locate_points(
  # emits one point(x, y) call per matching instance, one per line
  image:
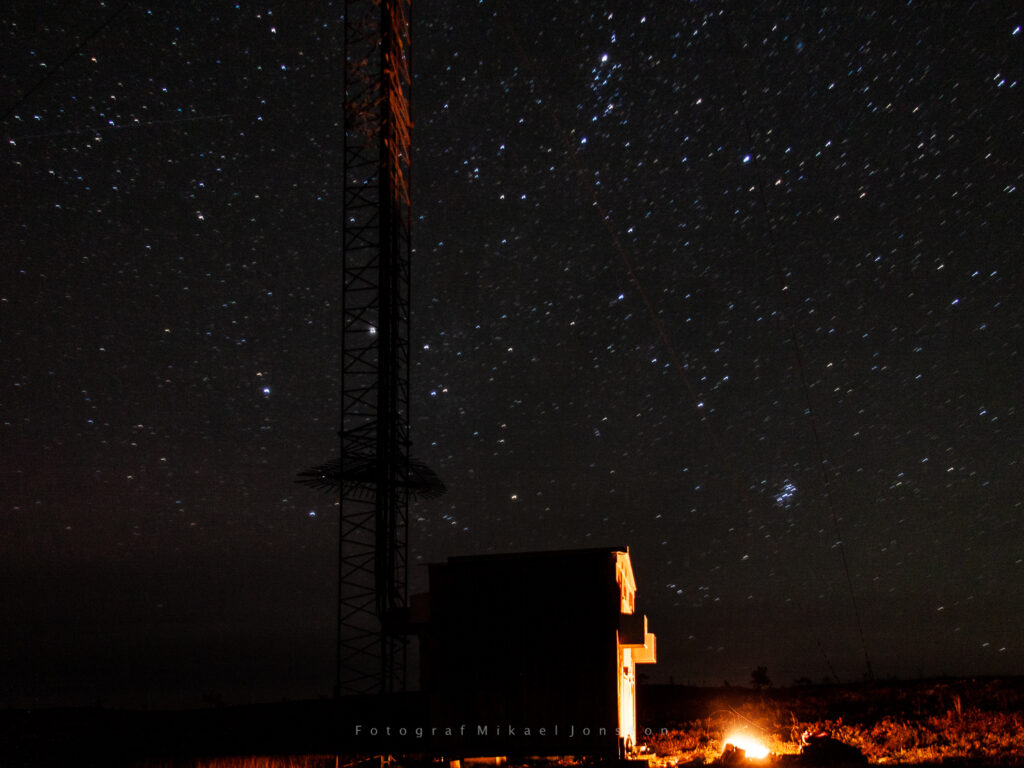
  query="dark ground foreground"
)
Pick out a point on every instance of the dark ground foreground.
point(976, 722)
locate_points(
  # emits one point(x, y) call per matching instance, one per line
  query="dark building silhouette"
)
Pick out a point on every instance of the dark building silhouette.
point(533, 653)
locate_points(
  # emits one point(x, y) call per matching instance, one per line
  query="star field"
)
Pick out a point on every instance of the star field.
point(737, 287)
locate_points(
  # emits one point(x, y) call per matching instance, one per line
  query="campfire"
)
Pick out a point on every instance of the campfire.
point(751, 748)
point(817, 748)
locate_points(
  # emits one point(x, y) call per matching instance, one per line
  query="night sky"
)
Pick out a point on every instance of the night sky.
point(737, 285)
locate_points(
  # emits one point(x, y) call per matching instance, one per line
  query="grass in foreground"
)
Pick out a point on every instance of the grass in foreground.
point(939, 723)
point(295, 761)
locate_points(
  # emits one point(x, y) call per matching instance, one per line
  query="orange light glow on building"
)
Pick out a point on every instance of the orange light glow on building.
point(635, 646)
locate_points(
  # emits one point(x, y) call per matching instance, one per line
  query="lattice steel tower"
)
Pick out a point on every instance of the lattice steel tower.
point(374, 475)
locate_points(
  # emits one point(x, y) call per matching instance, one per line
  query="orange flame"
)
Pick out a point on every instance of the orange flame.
point(755, 750)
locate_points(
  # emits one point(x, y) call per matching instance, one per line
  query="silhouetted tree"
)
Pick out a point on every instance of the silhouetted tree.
point(759, 678)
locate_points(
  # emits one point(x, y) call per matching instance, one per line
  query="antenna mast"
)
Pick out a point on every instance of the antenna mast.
point(373, 475)
point(373, 543)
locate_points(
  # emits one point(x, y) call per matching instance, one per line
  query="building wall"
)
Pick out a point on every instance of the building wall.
point(523, 650)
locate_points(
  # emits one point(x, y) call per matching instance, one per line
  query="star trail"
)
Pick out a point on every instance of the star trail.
point(735, 285)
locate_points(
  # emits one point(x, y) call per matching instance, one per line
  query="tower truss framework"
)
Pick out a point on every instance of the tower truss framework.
point(374, 467)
